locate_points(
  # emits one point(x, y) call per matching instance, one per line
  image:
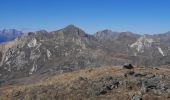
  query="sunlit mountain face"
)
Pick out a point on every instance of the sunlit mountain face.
point(33, 57)
point(9, 34)
point(71, 48)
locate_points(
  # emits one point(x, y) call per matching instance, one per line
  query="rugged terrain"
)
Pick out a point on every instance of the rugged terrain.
point(104, 83)
point(68, 49)
point(70, 64)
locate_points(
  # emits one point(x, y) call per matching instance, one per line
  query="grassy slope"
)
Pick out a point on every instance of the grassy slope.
point(82, 85)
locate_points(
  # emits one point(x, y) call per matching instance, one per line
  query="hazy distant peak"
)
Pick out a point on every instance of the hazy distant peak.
point(4, 31)
point(9, 34)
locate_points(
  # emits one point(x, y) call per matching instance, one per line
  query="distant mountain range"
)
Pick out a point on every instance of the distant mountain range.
point(71, 49)
point(9, 34)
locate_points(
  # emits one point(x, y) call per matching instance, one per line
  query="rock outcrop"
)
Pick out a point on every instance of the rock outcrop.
point(106, 83)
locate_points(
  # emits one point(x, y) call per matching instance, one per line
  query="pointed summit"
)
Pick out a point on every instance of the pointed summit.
point(72, 27)
point(74, 30)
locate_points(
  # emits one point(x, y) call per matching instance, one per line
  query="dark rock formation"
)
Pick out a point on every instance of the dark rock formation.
point(128, 66)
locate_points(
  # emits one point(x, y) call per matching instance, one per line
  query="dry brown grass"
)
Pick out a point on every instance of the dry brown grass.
point(64, 79)
point(68, 81)
point(90, 72)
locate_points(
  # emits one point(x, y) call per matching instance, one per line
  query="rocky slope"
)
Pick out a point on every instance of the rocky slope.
point(51, 52)
point(143, 49)
point(70, 48)
point(106, 83)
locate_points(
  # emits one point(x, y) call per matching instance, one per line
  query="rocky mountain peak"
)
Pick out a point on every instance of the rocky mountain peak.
point(106, 35)
point(71, 26)
point(128, 34)
point(71, 48)
point(42, 31)
point(106, 31)
point(72, 30)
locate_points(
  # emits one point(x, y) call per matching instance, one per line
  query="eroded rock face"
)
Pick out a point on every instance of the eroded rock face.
point(71, 48)
point(32, 43)
point(50, 52)
point(142, 43)
point(142, 48)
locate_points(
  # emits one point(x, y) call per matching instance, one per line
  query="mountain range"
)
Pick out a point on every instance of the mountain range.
point(9, 35)
point(71, 48)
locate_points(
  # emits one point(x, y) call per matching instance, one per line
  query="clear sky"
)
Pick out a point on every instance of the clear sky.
point(139, 16)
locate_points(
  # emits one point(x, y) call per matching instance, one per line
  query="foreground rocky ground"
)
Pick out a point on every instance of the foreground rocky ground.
point(105, 83)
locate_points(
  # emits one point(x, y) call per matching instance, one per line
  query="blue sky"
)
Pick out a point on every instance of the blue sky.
point(139, 16)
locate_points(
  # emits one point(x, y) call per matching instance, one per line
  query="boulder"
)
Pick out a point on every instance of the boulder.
point(129, 66)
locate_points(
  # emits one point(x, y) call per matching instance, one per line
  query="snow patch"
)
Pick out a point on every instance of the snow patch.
point(161, 52)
